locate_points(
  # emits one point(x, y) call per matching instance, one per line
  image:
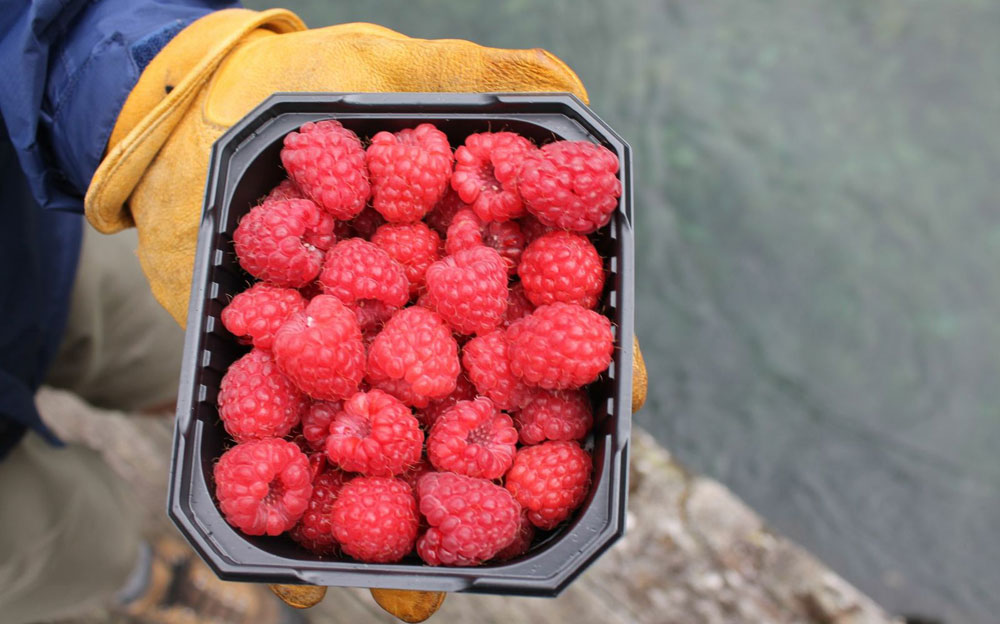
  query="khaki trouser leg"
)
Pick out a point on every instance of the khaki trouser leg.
point(69, 534)
point(69, 529)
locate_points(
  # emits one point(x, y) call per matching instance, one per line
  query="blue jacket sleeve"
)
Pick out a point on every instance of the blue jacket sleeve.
point(76, 62)
point(67, 67)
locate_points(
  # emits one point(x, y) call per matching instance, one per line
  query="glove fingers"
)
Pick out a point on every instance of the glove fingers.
point(368, 58)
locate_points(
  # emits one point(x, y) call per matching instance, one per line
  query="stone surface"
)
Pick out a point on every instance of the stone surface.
point(692, 552)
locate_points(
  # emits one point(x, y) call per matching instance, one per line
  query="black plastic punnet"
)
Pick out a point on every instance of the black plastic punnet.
point(245, 165)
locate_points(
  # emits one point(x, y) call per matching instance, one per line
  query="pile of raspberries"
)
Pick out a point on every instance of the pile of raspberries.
point(422, 333)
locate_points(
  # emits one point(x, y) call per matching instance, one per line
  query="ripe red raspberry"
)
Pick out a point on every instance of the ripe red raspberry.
point(522, 541)
point(286, 189)
point(571, 185)
point(416, 351)
point(255, 314)
point(320, 349)
point(316, 421)
point(464, 391)
point(559, 415)
point(486, 361)
point(365, 224)
point(375, 519)
point(327, 163)
point(518, 305)
point(409, 171)
point(471, 520)
point(257, 401)
point(413, 245)
point(375, 435)
point(486, 169)
point(279, 241)
point(560, 346)
point(550, 481)
point(441, 216)
point(562, 266)
point(469, 289)
point(474, 439)
point(314, 530)
point(263, 486)
point(355, 270)
point(467, 231)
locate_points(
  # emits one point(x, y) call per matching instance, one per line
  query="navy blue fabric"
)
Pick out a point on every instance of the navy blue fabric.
point(66, 67)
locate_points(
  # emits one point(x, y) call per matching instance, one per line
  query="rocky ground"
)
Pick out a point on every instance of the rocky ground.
point(692, 552)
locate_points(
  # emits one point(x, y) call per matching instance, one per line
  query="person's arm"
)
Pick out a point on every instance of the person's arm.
point(68, 66)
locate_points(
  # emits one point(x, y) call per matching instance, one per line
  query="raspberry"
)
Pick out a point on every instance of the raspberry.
point(409, 171)
point(471, 520)
point(415, 357)
point(474, 439)
point(550, 481)
point(441, 216)
point(414, 472)
point(560, 415)
point(277, 241)
point(365, 224)
point(485, 359)
point(316, 421)
point(311, 290)
point(508, 240)
point(372, 315)
point(467, 231)
point(518, 305)
point(562, 266)
point(263, 486)
point(413, 245)
point(532, 228)
point(571, 185)
point(320, 349)
point(286, 189)
point(464, 391)
point(355, 270)
point(486, 169)
point(375, 519)
point(256, 401)
point(327, 163)
point(255, 314)
point(343, 230)
point(522, 540)
point(469, 289)
point(560, 346)
point(375, 435)
point(314, 531)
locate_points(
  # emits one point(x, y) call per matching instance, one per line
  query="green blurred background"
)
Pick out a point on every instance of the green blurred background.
point(818, 235)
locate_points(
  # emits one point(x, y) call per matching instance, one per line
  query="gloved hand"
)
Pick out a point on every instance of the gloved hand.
point(214, 72)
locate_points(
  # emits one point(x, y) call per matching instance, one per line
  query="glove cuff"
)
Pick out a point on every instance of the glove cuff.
point(157, 103)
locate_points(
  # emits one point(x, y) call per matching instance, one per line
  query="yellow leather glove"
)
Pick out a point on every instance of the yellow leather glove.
point(220, 67)
point(213, 73)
